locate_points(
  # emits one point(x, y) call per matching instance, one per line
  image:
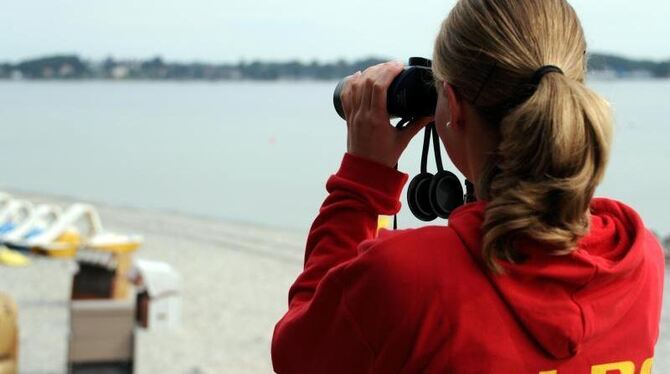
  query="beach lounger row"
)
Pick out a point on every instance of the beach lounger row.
point(55, 231)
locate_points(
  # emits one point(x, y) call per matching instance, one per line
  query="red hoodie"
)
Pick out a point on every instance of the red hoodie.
point(421, 301)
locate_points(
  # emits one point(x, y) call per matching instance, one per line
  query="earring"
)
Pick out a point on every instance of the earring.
point(448, 124)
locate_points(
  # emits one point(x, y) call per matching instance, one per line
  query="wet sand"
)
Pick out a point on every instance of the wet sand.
point(235, 283)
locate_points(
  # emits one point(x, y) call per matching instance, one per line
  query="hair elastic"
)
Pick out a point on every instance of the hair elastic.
point(544, 70)
point(523, 92)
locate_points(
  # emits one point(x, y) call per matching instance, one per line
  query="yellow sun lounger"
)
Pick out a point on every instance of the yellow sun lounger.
point(80, 226)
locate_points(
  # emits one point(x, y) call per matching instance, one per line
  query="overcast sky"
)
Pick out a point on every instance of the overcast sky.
point(230, 30)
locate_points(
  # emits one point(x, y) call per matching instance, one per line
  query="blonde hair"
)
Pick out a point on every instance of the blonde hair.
point(554, 137)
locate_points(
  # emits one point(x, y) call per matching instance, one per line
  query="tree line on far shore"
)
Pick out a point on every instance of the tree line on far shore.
point(74, 67)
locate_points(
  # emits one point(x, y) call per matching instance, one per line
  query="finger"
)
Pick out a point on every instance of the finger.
point(348, 96)
point(385, 76)
point(407, 133)
point(345, 97)
point(370, 75)
point(368, 83)
point(355, 85)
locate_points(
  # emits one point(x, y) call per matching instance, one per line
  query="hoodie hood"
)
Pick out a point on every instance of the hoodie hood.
point(563, 301)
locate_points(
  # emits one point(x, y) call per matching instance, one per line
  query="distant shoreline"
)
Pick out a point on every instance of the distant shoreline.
point(73, 67)
point(590, 78)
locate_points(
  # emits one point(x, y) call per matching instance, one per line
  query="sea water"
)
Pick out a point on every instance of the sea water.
point(258, 152)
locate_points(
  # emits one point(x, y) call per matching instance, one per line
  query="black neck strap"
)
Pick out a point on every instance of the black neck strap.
point(436, 148)
point(426, 146)
point(429, 131)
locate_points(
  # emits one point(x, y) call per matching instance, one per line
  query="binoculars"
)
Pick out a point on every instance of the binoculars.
point(412, 93)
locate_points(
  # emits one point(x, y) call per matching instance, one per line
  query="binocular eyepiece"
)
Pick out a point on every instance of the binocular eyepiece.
point(412, 93)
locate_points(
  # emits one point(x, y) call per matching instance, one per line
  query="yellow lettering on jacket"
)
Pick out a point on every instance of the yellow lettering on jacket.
point(624, 367)
point(646, 366)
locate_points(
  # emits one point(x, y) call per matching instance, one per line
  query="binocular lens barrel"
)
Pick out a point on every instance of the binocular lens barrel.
point(337, 98)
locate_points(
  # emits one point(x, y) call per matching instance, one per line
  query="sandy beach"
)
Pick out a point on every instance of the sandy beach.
point(235, 282)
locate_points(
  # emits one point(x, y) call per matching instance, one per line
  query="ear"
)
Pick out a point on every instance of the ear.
point(456, 107)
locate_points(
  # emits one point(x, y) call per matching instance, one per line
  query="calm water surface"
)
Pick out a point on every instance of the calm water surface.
point(256, 152)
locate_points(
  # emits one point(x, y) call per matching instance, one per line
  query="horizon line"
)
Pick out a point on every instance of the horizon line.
point(281, 60)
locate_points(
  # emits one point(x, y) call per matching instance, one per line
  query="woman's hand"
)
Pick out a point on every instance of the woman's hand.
point(369, 131)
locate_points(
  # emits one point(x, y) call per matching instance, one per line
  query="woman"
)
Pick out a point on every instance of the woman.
point(536, 277)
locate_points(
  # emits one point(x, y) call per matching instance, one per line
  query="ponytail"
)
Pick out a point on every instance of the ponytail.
point(554, 143)
point(553, 153)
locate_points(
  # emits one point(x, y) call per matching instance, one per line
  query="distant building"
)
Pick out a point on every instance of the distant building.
point(639, 74)
point(602, 75)
point(47, 72)
point(66, 70)
point(119, 72)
